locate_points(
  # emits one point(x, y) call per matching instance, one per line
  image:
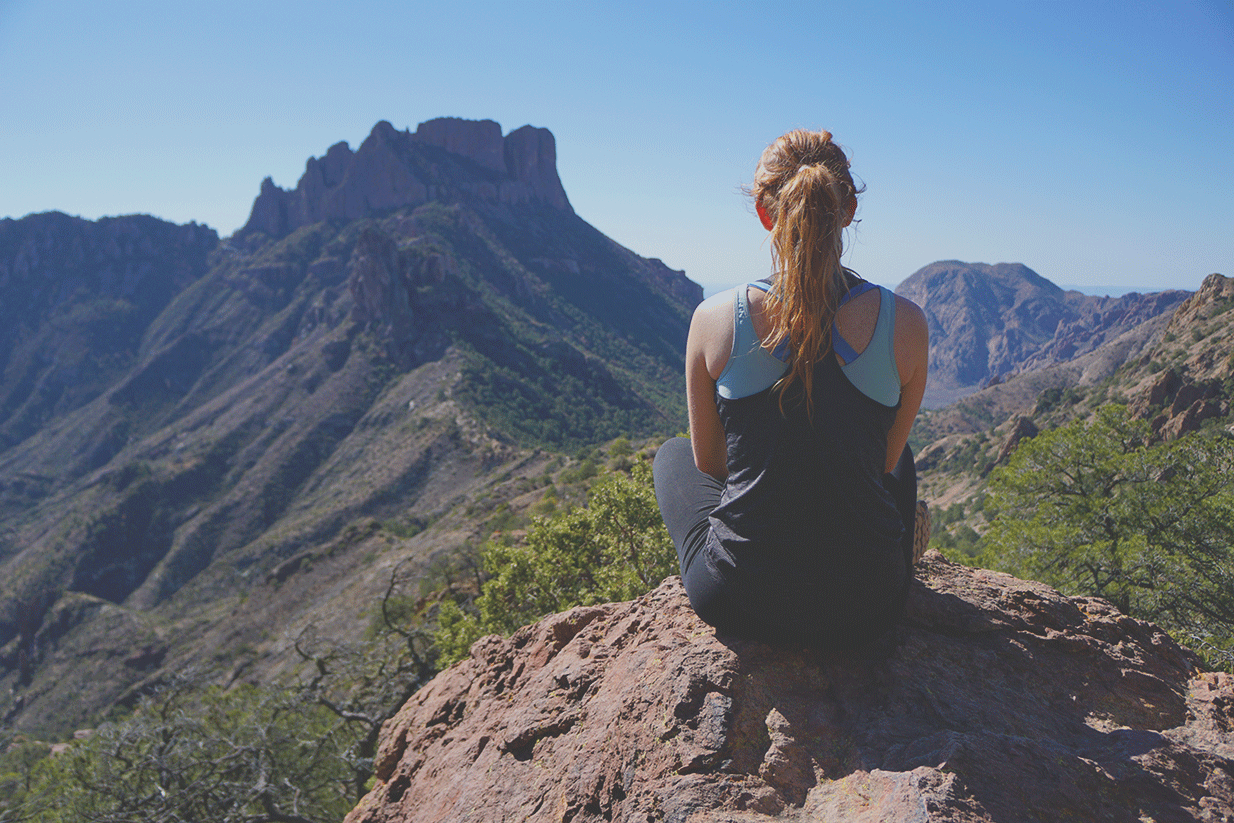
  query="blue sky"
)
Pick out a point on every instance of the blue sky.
point(1092, 141)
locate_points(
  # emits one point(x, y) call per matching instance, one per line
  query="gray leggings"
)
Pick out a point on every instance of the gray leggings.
point(687, 497)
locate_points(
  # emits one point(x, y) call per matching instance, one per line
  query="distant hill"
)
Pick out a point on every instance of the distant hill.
point(990, 321)
point(1175, 371)
point(203, 438)
point(75, 299)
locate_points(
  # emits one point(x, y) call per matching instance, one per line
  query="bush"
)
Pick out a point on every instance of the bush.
point(614, 549)
point(191, 754)
point(1095, 509)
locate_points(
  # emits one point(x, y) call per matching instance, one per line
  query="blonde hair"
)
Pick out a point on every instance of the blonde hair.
point(804, 185)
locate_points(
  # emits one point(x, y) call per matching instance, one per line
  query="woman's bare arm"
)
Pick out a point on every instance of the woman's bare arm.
point(912, 350)
point(707, 351)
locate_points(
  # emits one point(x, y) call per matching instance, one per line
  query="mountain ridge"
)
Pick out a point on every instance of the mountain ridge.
point(347, 383)
point(394, 365)
point(989, 321)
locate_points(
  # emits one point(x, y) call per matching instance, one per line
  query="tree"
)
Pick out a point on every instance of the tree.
point(296, 752)
point(614, 549)
point(1096, 509)
point(247, 754)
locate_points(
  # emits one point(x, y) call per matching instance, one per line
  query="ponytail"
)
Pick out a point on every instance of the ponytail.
point(804, 184)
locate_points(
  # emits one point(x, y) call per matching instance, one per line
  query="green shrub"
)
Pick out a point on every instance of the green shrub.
point(614, 549)
point(201, 754)
point(1096, 509)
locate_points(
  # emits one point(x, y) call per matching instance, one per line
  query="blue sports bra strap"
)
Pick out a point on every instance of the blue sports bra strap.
point(841, 347)
point(838, 344)
point(856, 291)
point(743, 326)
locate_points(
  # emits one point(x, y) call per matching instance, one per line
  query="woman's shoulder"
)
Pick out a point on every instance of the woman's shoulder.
point(720, 298)
point(910, 319)
point(718, 308)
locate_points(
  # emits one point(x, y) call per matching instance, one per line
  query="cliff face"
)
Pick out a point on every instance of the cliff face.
point(995, 700)
point(444, 159)
point(1195, 355)
point(988, 321)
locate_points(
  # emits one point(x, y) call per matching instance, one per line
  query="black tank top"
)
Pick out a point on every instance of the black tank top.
point(805, 531)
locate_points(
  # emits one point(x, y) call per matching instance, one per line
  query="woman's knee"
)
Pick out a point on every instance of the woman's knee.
point(670, 457)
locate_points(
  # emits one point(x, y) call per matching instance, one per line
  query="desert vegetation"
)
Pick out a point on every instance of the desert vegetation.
point(301, 750)
point(1096, 508)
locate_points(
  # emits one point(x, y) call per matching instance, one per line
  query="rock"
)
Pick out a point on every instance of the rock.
point(1189, 419)
point(478, 140)
point(378, 282)
point(1024, 427)
point(1190, 403)
point(1165, 386)
point(996, 699)
point(393, 169)
point(1215, 288)
point(531, 159)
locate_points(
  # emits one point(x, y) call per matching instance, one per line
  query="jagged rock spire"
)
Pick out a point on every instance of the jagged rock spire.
point(392, 169)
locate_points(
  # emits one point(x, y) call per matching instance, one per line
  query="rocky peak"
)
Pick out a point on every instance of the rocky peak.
point(996, 699)
point(989, 321)
point(393, 169)
point(531, 158)
point(1214, 290)
point(478, 140)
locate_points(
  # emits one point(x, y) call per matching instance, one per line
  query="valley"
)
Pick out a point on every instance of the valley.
point(211, 448)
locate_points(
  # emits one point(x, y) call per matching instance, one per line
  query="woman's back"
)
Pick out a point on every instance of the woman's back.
point(805, 527)
point(781, 506)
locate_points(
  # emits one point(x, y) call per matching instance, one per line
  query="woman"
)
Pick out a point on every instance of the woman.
point(791, 505)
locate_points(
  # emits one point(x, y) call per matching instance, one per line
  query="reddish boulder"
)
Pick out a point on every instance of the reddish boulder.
point(1160, 390)
point(996, 699)
point(1024, 428)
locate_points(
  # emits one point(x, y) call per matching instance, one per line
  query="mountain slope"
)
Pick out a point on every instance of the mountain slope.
point(989, 321)
point(389, 348)
point(1175, 371)
point(75, 299)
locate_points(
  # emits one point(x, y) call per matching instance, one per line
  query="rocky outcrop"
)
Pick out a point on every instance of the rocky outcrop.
point(996, 699)
point(989, 321)
point(1023, 428)
point(386, 284)
point(446, 159)
point(1216, 292)
point(1196, 341)
point(477, 140)
point(531, 161)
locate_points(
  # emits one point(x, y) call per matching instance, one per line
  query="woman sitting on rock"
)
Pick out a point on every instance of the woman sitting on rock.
point(792, 504)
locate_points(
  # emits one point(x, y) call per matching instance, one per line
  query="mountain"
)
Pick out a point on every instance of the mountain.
point(995, 699)
point(989, 321)
point(75, 299)
point(211, 446)
point(1175, 371)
